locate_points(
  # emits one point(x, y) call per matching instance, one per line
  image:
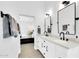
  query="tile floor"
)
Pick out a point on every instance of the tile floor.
point(28, 51)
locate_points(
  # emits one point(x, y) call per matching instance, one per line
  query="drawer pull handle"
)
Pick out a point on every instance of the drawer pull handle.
point(44, 53)
point(47, 48)
point(42, 45)
point(44, 41)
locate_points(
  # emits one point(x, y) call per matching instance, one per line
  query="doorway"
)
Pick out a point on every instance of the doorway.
point(26, 28)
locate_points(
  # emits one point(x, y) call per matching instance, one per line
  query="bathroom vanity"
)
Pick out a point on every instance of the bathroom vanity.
point(60, 46)
point(53, 47)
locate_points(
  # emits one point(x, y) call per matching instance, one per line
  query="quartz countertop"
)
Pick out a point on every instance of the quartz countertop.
point(63, 43)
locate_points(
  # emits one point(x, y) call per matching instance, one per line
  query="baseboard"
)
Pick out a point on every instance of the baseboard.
point(40, 53)
point(27, 40)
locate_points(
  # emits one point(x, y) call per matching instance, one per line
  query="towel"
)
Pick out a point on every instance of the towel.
point(10, 27)
point(6, 27)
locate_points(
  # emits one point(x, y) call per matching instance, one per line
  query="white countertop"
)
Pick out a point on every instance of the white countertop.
point(66, 44)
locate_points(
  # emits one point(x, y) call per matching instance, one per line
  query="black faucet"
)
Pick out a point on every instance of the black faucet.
point(63, 35)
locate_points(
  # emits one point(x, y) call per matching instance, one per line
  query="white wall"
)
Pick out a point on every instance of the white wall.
point(33, 8)
point(23, 8)
point(17, 8)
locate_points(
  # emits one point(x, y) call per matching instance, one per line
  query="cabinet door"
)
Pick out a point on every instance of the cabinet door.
point(61, 52)
point(36, 42)
point(45, 48)
point(41, 45)
point(50, 50)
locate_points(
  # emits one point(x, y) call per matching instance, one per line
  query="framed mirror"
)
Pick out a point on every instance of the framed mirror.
point(48, 24)
point(66, 19)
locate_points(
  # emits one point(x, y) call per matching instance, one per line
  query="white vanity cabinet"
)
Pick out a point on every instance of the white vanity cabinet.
point(50, 50)
point(55, 48)
point(61, 52)
point(73, 53)
point(46, 48)
point(40, 45)
point(36, 42)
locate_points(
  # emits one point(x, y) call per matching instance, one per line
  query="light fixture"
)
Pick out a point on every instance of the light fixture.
point(62, 4)
point(49, 13)
point(65, 3)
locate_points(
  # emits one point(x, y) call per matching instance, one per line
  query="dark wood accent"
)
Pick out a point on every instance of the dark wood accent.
point(27, 40)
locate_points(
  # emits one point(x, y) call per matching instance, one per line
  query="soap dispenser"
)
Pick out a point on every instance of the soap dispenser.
point(39, 30)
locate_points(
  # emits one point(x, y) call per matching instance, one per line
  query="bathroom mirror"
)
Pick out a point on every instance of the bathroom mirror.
point(47, 25)
point(66, 19)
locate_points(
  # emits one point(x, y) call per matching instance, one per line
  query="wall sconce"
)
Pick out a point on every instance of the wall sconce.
point(62, 4)
point(65, 3)
point(48, 28)
point(49, 13)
